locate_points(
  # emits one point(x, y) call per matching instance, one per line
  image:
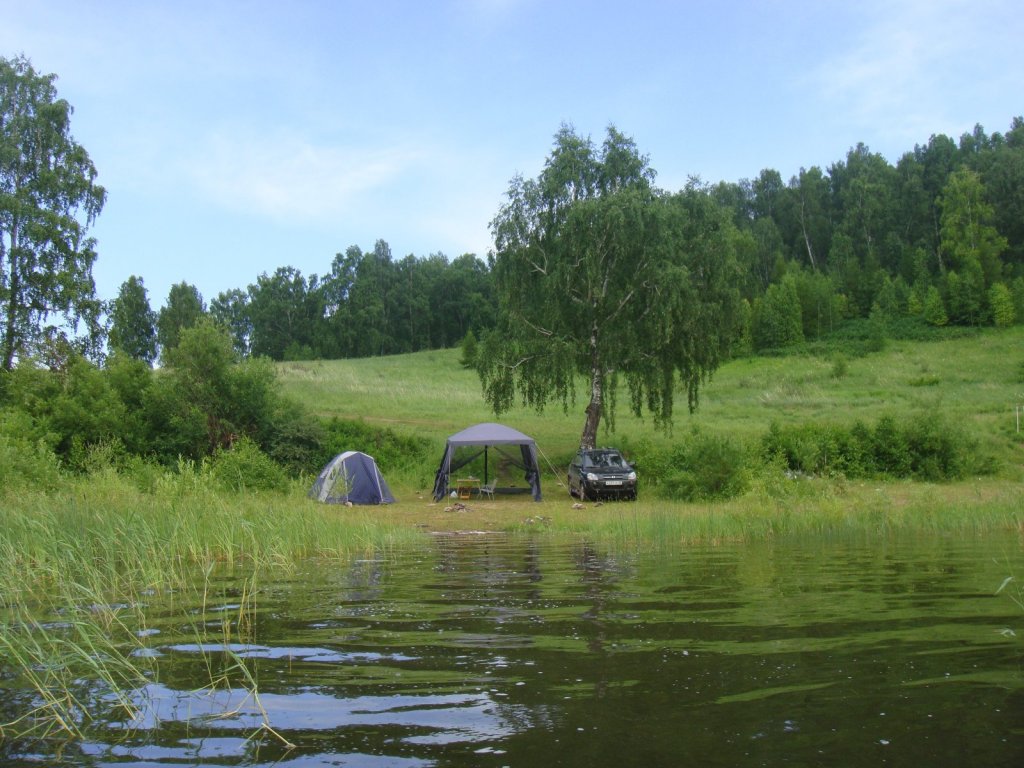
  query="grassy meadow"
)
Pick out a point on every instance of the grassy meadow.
point(975, 382)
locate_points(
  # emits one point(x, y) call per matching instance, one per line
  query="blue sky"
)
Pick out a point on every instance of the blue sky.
point(234, 138)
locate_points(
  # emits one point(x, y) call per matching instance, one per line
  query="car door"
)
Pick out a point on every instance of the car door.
point(575, 473)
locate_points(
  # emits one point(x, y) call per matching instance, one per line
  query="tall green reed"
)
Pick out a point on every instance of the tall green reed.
point(79, 564)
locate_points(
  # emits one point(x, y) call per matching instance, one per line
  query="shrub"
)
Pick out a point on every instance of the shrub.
point(702, 467)
point(390, 449)
point(1001, 301)
point(840, 367)
point(143, 473)
point(776, 320)
point(295, 439)
point(469, 352)
point(244, 467)
point(713, 468)
point(938, 451)
point(890, 448)
point(70, 407)
point(25, 462)
point(925, 447)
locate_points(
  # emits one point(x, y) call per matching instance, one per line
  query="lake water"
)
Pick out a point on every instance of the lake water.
point(513, 651)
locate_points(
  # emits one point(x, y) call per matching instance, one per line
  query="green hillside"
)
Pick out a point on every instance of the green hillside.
point(974, 382)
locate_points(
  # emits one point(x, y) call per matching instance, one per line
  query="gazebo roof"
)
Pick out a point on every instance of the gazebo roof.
point(490, 434)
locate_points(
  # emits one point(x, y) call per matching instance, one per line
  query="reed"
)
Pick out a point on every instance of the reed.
point(77, 565)
point(803, 509)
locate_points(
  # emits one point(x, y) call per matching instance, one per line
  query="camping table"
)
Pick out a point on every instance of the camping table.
point(465, 486)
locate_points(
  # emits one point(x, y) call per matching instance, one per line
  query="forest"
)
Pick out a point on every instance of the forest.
point(936, 239)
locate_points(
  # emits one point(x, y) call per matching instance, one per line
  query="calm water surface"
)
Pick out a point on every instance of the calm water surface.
point(512, 651)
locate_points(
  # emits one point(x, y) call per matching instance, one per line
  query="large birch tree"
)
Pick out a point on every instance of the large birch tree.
point(48, 199)
point(601, 277)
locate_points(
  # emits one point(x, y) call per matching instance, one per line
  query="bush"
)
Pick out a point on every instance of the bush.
point(143, 473)
point(244, 467)
point(890, 449)
point(295, 439)
point(936, 451)
point(70, 407)
point(840, 367)
point(24, 462)
point(469, 350)
point(700, 468)
point(925, 448)
point(390, 449)
point(817, 449)
point(712, 468)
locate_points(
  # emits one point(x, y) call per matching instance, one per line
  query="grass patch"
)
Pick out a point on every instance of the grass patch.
point(972, 381)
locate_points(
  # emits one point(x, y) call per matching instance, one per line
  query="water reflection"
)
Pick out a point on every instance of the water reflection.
point(479, 651)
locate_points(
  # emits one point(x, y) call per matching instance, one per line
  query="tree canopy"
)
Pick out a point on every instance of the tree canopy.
point(133, 322)
point(48, 199)
point(184, 309)
point(599, 274)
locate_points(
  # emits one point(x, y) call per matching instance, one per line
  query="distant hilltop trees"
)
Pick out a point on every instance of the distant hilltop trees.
point(936, 239)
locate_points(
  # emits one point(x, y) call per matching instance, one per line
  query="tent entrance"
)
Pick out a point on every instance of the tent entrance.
point(491, 462)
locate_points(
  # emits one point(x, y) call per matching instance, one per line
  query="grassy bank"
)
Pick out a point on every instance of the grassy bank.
point(975, 383)
point(102, 535)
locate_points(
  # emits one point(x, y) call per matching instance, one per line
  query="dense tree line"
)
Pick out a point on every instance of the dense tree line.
point(204, 401)
point(368, 304)
point(936, 239)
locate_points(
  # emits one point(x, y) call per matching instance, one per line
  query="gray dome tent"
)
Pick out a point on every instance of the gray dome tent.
point(484, 437)
point(351, 477)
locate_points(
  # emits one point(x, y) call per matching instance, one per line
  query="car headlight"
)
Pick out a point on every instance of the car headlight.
point(591, 477)
point(631, 476)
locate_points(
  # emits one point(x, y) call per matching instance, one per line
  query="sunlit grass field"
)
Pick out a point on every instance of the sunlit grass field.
point(976, 383)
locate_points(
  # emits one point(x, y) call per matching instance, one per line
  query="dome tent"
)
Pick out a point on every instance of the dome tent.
point(484, 437)
point(351, 477)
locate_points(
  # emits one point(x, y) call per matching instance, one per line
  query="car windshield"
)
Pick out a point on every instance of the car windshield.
point(610, 459)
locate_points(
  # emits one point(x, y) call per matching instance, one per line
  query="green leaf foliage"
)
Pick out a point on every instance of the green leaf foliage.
point(244, 467)
point(390, 449)
point(599, 274)
point(26, 460)
point(48, 200)
point(776, 319)
point(184, 309)
point(925, 447)
point(133, 322)
point(702, 467)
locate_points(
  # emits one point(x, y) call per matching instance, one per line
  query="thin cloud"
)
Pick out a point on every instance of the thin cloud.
point(293, 178)
point(905, 67)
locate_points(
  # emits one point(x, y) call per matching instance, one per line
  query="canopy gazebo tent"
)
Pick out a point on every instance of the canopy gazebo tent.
point(486, 437)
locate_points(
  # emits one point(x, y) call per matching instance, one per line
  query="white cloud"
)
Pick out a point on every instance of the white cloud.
point(288, 177)
point(910, 66)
